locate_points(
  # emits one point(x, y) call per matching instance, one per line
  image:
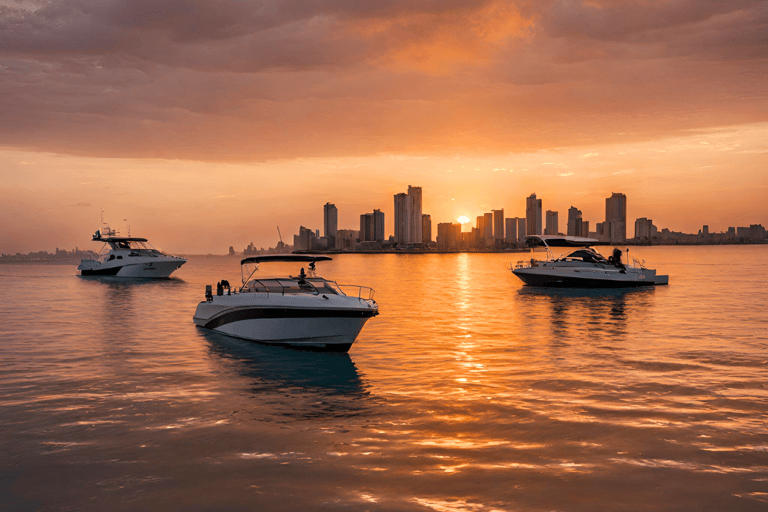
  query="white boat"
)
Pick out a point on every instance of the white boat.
point(129, 257)
point(303, 311)
point(583, 266)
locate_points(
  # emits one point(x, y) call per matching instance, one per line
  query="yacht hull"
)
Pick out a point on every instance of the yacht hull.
point(145, 270)
point(322, 329)
point(572, 278)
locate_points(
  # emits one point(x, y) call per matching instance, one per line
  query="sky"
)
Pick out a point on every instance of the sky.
point(204, 124)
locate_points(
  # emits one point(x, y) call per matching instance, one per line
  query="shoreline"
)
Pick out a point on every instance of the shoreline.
point(21, 261)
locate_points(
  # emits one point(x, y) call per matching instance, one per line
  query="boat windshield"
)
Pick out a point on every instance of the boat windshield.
point(292, 285)
point(585, 255)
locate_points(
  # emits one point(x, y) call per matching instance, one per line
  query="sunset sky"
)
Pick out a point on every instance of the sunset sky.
point(204, 124)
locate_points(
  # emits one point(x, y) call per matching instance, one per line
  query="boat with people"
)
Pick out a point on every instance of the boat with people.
point(128, 257)
point(302, 311)
point(583, 266)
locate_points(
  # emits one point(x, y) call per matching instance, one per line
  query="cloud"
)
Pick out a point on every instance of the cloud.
point(238, 80)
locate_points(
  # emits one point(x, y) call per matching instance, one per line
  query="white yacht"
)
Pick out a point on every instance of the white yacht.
point(302, 311)
point(583, 266)
point(128, 257)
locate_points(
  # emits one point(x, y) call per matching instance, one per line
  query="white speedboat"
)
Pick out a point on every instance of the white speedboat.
point(129, 257)
point(303, 311)
point(583, 267)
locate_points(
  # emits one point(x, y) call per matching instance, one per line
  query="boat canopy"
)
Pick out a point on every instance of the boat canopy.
point(308, 258)
point(117, 239)
point(559, 241)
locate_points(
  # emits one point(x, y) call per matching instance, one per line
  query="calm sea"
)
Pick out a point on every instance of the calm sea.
point(468, 393)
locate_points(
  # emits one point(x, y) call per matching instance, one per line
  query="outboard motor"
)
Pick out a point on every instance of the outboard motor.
point(208, 293)
point(219, 289)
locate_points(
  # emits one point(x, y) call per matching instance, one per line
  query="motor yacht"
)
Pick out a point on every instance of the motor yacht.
point(128, 257)
point(303, 311)
point(583, 266)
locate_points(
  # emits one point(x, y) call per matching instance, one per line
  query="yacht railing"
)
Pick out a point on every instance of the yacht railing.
point(361, 292)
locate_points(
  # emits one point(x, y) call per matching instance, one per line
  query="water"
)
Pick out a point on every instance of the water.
point(467, 393)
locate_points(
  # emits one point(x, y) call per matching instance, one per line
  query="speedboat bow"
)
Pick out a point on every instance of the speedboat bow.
point(583, 267)
point(303, 311)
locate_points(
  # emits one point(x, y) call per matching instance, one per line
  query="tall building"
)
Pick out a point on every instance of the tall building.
point(644, 228)
point(574, 221)
point(330, 222)
point(480, 224)
point(372, 227)
point(533, 215)
point(306, 240)
point(416, 220)
point(616, 217)
point(498, 224)
point(448, 235)
point(426, 229)
point(378, 226)
point(404, 218)
point(510, 230)
point(488, 226)
point(552, 227)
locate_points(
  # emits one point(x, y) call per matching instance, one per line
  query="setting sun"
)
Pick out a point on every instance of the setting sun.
point(463, 219)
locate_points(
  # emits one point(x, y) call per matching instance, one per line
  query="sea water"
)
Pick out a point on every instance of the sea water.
point(469, 392)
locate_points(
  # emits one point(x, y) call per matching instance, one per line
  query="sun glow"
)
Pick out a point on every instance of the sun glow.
point(463, 219)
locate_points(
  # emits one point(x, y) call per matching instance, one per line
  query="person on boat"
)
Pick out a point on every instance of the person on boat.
point(615, 259)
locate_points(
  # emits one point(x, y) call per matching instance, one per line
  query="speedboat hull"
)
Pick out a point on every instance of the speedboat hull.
point(140, 269)
point(574, 277)
point(325, 327)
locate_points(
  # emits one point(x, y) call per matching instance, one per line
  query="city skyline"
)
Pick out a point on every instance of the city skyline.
point(213, 123)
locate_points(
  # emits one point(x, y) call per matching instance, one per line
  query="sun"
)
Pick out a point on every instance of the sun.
point(463, 219)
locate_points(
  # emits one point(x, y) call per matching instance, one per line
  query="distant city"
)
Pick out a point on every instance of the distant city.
point(492, 231)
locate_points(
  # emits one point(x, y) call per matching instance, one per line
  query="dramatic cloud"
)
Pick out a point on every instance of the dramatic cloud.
point(240, 80)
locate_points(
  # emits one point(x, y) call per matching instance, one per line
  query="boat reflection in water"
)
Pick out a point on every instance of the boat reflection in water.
point(591, 310)
point(295, 384)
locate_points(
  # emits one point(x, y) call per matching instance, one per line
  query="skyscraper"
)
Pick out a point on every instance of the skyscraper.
point(416, 229)
point(372, 227)
point(404, 218)
point(510, 230)
point(498, 224)
point(552, 224)
point(488, 226)
point(574, 221)
point(426, 229)
point(533, 215)
point(616, 217)
point(378, 225)
point(330, 222)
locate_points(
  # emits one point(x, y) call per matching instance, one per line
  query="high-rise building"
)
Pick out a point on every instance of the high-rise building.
point(574, 221)
point(521, 229)
point(448, 235)
point(533, 215)
point(552, 224)
point(306, 240)
point(403, 218)
point(378, 225)
point(416, 220)
point(330, 222)
point(488, 226)
point(510, 230)
point(372, 227)
point(616, 217)
point(498, 224)
point(426, 229)
point(644, 228)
